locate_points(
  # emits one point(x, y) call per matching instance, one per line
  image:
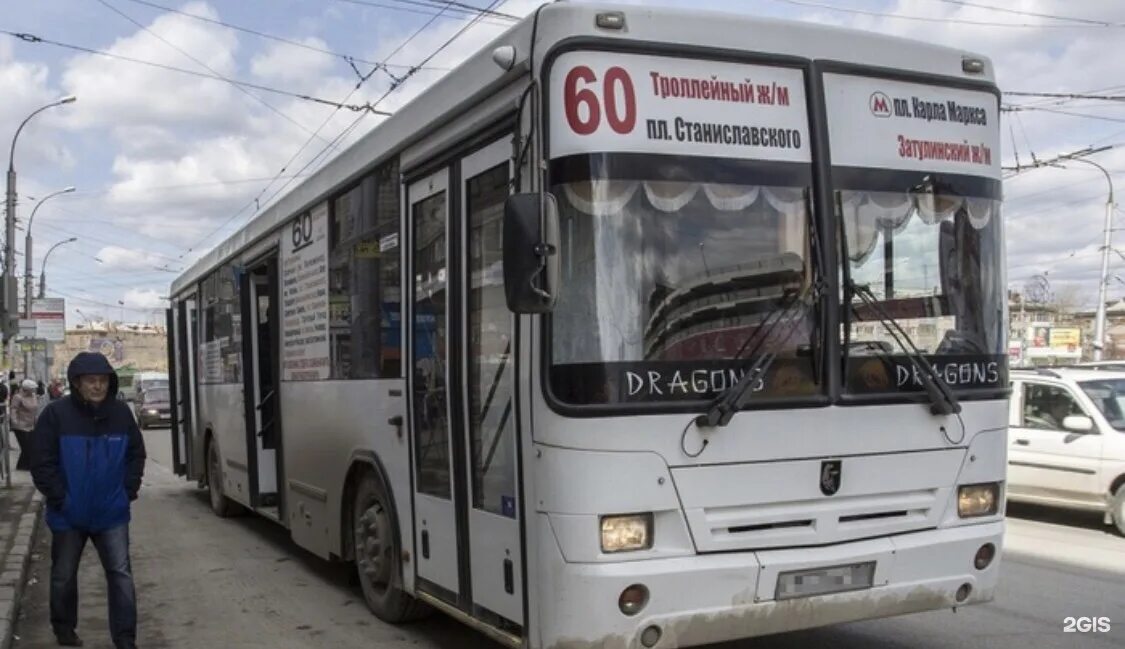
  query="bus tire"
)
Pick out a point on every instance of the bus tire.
point(377, 553)
point(1118, 510)
point(222, 506)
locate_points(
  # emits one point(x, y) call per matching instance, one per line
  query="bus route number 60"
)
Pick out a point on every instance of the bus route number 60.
point(618, 96)
point(302, 231)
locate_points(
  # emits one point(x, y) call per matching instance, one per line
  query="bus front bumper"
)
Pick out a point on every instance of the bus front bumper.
point(718, 597)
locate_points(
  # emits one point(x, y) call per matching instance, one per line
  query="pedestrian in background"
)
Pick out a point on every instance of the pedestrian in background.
point(25, 408)
point(89, 460)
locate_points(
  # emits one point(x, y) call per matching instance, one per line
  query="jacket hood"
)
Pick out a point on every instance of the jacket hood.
point(91, 363)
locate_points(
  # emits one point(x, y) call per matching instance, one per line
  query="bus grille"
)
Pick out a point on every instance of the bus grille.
point(787, 524)
point(779, 504)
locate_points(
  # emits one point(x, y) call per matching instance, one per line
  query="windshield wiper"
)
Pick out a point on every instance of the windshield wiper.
point(723, 407)
point(942, 399)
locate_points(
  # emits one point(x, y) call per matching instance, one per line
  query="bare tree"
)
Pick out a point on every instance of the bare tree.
point(1068, 298)
point(1037, 291)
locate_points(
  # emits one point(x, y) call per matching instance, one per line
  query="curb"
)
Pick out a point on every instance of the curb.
point(13, 579)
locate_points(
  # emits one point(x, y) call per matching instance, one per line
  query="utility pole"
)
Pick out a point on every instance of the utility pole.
point(1099, 320)
point(1107, 239)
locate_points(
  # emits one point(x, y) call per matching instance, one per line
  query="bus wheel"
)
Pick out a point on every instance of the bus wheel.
point(375, 538)
point(222, 506)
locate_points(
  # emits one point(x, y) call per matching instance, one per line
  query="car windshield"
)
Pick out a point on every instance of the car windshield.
point(155, 395)
point(1109, 397)
point(665, 274)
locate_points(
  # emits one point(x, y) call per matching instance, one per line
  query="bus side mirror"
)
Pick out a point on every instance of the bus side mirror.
point(531, 252)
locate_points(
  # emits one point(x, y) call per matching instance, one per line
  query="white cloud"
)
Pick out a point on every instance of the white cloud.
point(290, 64)
point(118, 258)
point(143, 299)
point(113, 93)
point(26, 89)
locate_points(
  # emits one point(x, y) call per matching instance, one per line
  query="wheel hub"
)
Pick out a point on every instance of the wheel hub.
point(373, 544)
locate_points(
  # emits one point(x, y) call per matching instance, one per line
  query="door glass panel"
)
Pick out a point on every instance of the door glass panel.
point(491, 416)
point(1045, 407)
point(266, 390)
point(431, 416)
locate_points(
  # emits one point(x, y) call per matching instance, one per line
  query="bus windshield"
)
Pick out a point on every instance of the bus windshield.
point(930, 250)
point(917, 187)
point(665, 275)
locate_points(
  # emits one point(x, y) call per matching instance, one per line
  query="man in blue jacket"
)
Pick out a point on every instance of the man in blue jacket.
point(88, 460)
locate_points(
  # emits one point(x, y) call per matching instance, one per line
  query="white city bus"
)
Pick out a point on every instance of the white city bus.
point(641, 328)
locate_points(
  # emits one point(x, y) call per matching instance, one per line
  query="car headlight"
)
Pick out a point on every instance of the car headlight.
point(978, 499)
point(152, 411)
point(626, 533)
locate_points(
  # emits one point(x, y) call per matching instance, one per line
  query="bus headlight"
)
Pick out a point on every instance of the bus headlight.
point(626, 533)
point(978, 499)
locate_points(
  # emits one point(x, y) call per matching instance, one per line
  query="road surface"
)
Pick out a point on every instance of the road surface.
point(240, 583)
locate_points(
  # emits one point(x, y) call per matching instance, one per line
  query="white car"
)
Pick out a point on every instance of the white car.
point(1066, 440)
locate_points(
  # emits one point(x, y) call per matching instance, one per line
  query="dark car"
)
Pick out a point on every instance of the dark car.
point(154, 408)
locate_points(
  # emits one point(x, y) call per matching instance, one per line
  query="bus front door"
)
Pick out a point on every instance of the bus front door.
point(463, 420)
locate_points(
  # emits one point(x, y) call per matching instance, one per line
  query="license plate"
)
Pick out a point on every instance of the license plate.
point(822, 581)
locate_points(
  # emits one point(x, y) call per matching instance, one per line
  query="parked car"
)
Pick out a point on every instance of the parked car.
point(154, 408)
point(1066, 440)
point(1107, 366)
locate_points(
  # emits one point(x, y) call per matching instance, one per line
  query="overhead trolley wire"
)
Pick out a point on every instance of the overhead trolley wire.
point(32, 38)
point(1020, 12)
point(1043, 109)
point(934, 19)
point(1065, 95)
point(272, 37)
point(459, 7)
point(179, 49)
point(396, 83)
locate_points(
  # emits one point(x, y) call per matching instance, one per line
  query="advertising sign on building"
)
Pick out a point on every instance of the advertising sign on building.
point(1066, 337)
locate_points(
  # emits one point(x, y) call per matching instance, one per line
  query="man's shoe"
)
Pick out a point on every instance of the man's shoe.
point(68, 639)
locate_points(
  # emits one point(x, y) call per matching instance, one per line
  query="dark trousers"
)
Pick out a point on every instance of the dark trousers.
point(23, 438)
point(113, 550)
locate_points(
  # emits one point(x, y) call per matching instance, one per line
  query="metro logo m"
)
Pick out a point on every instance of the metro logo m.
point(880, 105)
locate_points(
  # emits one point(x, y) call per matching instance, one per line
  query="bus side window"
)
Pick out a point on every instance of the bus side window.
point(364, 282)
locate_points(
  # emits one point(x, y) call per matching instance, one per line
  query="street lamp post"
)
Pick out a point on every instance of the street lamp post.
point(50, 351)
point(1099, 321)
point(27, 292)
point(43, 269)
point(10, 238)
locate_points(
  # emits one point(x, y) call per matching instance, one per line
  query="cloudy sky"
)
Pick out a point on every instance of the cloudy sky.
point(167, 163)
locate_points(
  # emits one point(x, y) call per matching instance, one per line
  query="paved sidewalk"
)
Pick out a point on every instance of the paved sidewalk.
point(20, 508)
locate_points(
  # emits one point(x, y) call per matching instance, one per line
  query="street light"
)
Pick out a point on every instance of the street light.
point(27, 252)
point(43, 270)
point(1099, 322)
point(10, 238)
